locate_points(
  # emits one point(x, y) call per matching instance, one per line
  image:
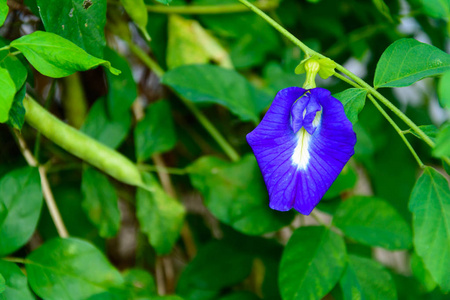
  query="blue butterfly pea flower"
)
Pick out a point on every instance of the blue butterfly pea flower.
point(301, 145)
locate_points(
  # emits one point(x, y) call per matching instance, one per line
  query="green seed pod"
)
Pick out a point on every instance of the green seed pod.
point(106, 159)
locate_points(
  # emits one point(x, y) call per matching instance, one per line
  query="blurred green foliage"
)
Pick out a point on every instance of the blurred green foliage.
point(180, 85)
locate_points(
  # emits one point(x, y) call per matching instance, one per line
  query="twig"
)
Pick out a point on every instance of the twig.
point(46, 190)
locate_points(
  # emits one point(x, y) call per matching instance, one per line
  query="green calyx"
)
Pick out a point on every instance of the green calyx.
point(313, 66)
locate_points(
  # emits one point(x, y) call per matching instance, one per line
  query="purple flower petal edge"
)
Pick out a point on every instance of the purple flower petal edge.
point(301, 145)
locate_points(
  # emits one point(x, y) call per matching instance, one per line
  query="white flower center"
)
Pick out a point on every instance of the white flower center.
point(301, 155)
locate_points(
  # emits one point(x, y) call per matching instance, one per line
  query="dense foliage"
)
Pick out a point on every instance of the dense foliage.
point(124, 167)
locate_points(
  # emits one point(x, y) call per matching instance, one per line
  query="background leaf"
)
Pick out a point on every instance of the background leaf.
point(16, 283)
point(430, 206)
point(138, 13)
point(4, 9)
point(312, 263)
point(353, 101)
point(7, 95)
point(251, 40)
point(81, 22)
point(183, 46)
point(407, 61)
point(100, 202)
point(344, 182)
point(421, 273)
point(366, 279)
point(17, 111)
point(71, 268)
point(102, 128)
point(436, 8)
point(16, 70)
point(212, 84)
point(155, 133)
point(21, 198)
point(444, 90)
point(140, 282)
point(160, 216)
point(235, 194)
point(430, 130)
point(443, 141)
point(2, 284)
point(55, 56)
point(372, 221)
point(201, 277)
point(122, 89)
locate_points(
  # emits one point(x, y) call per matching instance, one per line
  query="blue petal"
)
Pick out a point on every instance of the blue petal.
point(301, 146)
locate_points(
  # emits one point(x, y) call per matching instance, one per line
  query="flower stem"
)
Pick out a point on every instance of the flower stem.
point(217, 136)
point(399, 131)
point(209, 9)
point(358, 82)
point(388, 104)
point(290, 36)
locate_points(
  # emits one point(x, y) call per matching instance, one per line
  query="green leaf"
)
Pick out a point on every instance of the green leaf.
point(160, 216)
point(100, 126)
point(217, 265)
point(235, 194)
point(383, 9)
point(444, 90)
point(155, 133)
point(366, 279)
point(251, 38)
point(21, 199)
point(430, 206)
point(312, 263)
point(183, 46)
point(170, 297)
point(439, 9)
point(442, 147)
point(353, 101)
point(4, 9)
point(140, 282)
point(122, 89)
point(17, 111)
point(7, 94)
point(71, 268)
point(345, 181)
point(164, 1)
point(16, 70)
point(80, 21)
point(2, 283)
point(374, 222)
point(16, 283)
point(55, 56)
point(407, 61)
point(430, 130)
point(100, 202)
point(137, 11)
point(212, 84)
point(421, 273)
point(240, 296)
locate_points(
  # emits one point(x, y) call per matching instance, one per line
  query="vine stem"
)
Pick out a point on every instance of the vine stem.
point(399, 131)
point(290, 36)
point(208, 9)
point(358, 82)
point(16, 260)
point(46, 190)
point(202, 119)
